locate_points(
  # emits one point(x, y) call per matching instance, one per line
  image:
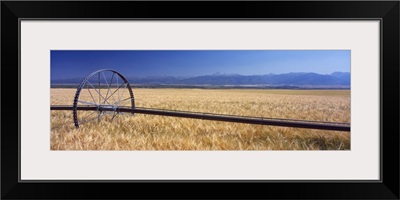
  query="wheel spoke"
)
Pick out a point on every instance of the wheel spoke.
point(98, 117)
point(117, 84)
point(115, 114)
point(118, 103)
point(115, 91)
point(108, 113)
point(108, 85)
point(100, 114)
point(111, 84)
point(98, 93)
point(85, 120)
point(104, 114)
point(99, 88)
point(122, 95)
point(86, 102)
point(91, 94)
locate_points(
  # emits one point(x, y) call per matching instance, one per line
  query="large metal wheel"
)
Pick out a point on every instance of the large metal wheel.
point(99, 96)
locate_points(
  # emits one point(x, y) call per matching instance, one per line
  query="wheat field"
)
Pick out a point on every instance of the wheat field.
point(150, 132)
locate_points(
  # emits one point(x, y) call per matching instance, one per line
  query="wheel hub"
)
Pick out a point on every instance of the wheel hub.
point(107, 108)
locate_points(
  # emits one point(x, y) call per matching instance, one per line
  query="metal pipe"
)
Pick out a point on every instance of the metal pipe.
point(217, 117)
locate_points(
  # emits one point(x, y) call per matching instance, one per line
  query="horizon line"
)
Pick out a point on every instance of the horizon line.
point(218, 73)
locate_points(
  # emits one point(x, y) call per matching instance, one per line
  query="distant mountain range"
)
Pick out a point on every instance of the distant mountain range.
point(336, 79)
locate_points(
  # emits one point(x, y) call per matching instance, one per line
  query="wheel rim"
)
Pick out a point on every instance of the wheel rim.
point(102, 92)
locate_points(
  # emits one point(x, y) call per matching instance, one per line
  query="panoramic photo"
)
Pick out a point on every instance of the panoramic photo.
point(200, 100)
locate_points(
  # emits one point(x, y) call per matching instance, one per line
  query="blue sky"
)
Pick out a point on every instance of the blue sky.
point(76, 64)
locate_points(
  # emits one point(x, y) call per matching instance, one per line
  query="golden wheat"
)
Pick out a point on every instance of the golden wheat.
point(149, 132)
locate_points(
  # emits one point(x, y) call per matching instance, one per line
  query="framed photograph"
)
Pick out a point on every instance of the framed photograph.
point(290, 96)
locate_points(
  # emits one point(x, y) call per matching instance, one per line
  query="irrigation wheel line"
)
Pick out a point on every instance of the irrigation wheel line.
point(101, 96)
point(321, 125)
point(103, 91)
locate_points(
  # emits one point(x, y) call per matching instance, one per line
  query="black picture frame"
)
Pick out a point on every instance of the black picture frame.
point(386, 11)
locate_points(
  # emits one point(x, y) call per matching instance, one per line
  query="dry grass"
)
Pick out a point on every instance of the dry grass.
point(149, 132)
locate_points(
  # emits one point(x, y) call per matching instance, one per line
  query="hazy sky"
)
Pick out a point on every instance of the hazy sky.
point(75, 64)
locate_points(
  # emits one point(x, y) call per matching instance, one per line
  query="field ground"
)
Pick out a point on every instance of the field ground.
point(150, 132)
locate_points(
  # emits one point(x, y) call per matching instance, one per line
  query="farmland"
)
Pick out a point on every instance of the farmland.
point(150, 132)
